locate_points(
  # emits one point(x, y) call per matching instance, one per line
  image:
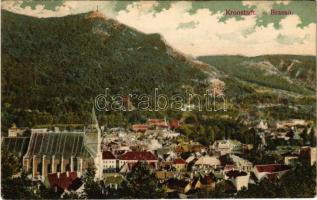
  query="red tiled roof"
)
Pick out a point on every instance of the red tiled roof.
point(157, 122)
point(179, 161)
point(63, 181)
point(271, 168)
point(174, 123)
point(138, 155)
point(107, 155)
point(139, 127)
point(229, 167)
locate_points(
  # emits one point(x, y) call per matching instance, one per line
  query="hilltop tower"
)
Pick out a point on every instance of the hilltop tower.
point(95, 14)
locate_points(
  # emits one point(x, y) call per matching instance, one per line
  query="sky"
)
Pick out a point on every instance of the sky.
point(201, 28)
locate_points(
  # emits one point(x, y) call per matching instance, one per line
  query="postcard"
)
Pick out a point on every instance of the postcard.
point(158, 99)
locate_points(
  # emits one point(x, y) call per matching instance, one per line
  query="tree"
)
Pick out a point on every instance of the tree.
point(312, 137)
point(142, 183)
point(300, 182)
point(49, 193)
point(92, 189)
point(10, 165)
point(304, 136)
point(71, 195)
point(222, 190)
point(297, 183)
point(15, 184)
point(290, 134)
point(264, 189)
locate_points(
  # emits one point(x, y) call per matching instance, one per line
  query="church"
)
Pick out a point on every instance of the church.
point(64, 151)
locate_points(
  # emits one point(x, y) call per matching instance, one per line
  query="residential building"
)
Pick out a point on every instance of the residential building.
point(140, 128)
point(238, 178)
point(270, 171)
point(14, 131)
point(291, 159)
point(157, 123)
point(109, 161)
point(132, 157)
point(223, 146)
point(208, 161)
point(179, 164)
point(242, 164)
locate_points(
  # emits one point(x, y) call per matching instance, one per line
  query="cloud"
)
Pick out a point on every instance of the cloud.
point(262, 7)
point(67, 8)
point(211, 37)
point(187, 25)
point(199, 33)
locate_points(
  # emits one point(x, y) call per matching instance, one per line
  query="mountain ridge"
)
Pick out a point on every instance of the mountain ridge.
point(58, 65)
point(53, 68)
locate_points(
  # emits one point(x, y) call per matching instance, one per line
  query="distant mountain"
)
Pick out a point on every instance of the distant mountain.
point(52, 68)
point(268, 87)
point(291, 73)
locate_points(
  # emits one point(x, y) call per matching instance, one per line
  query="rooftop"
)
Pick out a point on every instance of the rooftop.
point(272, 168)
point(138, 155)
point(107, 155)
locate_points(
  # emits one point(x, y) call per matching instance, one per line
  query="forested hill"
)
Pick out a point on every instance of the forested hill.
point(292, 73)
point(52, 68)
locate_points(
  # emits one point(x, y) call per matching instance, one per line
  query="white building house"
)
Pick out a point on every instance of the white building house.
point(242, 164)
point(270, 171)
point(131, 158)
point(208, 161)
point(14, 131)
point(239, 179)
point(109, 161)
point(223, 146)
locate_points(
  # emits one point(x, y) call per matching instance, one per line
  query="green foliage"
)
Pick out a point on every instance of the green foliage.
point(14, 182)
point(272, 70)
point(93, 189)
point(205, 128)
point(297, 183)
point(71, 195)
point(223, 189)
point(265, 189)
point(10, 164)
point(142, 183)
point(312, 137)
point(49, 193)
point(53, 68)
point(304, 135)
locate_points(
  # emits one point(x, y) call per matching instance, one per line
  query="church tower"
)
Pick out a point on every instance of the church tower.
point(93, 143)
point(98, 158)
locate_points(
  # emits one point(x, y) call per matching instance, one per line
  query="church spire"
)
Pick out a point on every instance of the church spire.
point(94, 120)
